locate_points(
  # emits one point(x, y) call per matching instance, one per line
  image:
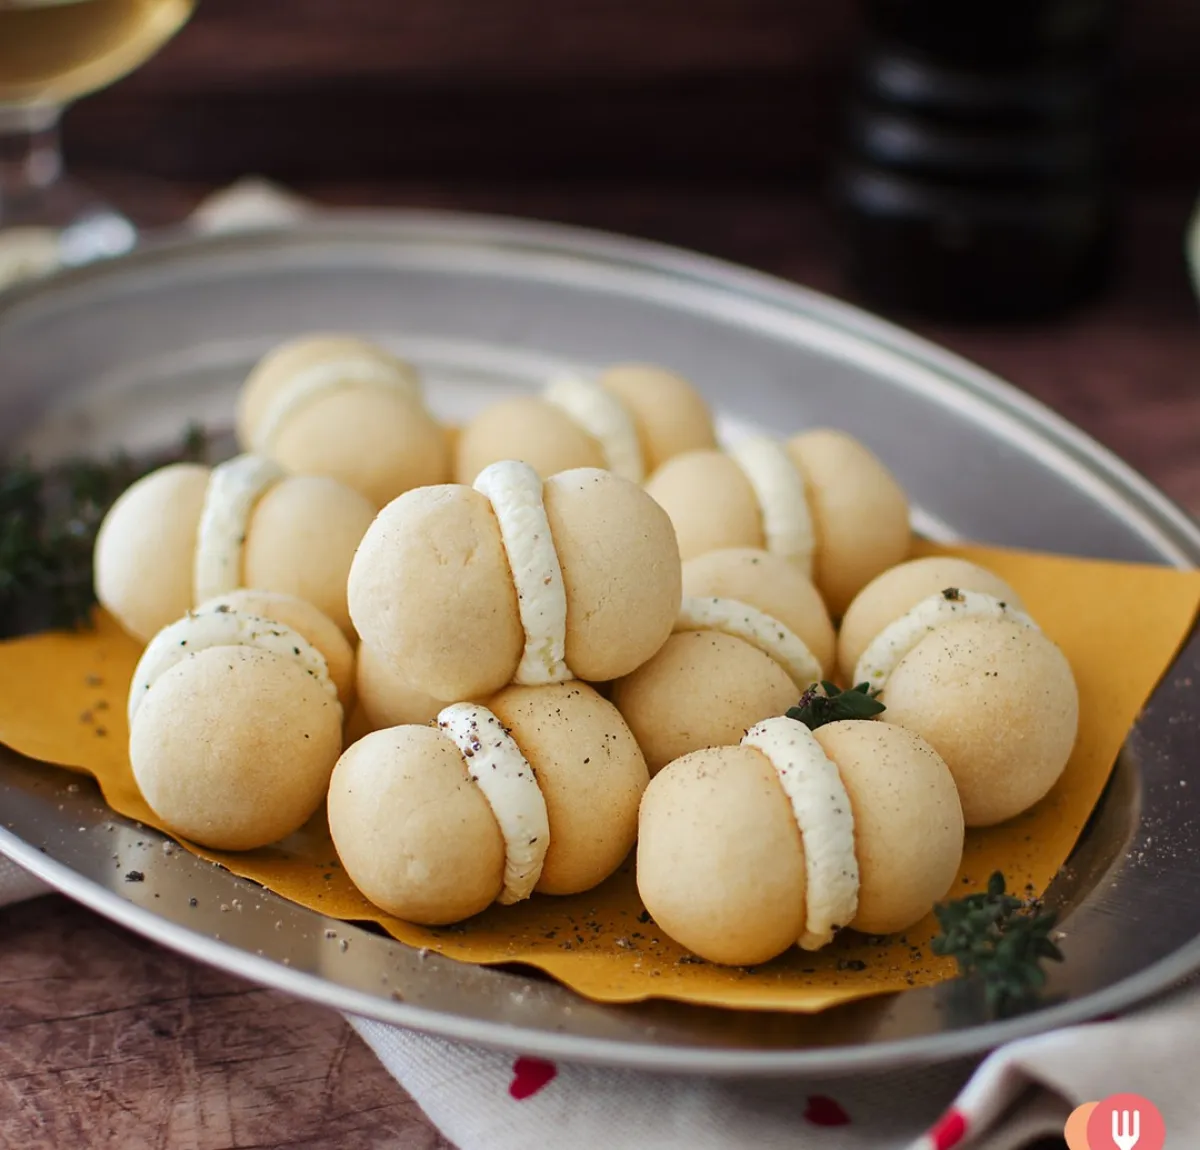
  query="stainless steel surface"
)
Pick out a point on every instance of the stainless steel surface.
point(117, 352)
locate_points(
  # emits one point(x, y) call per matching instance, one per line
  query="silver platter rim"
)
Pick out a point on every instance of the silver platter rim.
point(1173, 531)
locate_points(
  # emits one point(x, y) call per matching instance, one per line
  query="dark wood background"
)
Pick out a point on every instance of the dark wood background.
point(706, 123)
point(607, 90)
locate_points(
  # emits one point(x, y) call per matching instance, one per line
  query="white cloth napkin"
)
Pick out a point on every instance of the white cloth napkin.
point(489, 1100)
point(485, 1100)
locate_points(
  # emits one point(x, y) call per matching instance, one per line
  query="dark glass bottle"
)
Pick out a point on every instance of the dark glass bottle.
point(976, 178)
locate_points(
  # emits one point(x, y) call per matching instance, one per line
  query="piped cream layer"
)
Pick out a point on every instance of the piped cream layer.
point(885, 652)
point(821, 807)
point(782, 497)
point(234, 487)
point(771, 637)
point(496, 765)
point(602, 415)
point(515, 493)
point(321, 379)
point(220, 627)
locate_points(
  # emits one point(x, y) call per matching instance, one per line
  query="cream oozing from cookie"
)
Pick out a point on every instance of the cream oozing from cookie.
point(320, 379)
point(220, 627)
point(515, 492)
point(602, 415)
point(821, 808)
point(495, 763)
point(885, 652)
point(771, 637)
point(782, 497)
point(233, 490)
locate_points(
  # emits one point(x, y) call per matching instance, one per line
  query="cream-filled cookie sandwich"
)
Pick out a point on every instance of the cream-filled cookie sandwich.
point(536, 791)
point(341, 406)
point(820, 499)
point(463, 590)
point(793, 835)
point(315, 626)
point(234, 728)
point(184, 534)
point(629, 420)
point(898, 590)
point(751, 635)
point(973, 674)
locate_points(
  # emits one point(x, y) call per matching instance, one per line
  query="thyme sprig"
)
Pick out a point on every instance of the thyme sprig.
point(825, 703)
point(48, 524)
point(1001, 941)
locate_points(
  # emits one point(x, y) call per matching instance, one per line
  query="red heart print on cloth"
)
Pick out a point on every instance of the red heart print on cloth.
point(529, 1076)
point(948, 1132)
point(822, 1110)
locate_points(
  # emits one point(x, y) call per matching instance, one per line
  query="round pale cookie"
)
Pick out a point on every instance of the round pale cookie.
point(899, 589)
point(373, 435)
point(301, 539)
point(908, 821)
point(233, 747)
point(277, 370)
point(720, 859)
point(384, 696)
point(710, 503)
point(526, 428)
point(773, 585)
point(414, 832)
point(157, 516)
point(620, 567)
point(668, 413)
point(859, 511)
point(590, 772)
point(321, 631)
point(702, 689)
point(431, 591)
point(997, 700)
point(378, 443)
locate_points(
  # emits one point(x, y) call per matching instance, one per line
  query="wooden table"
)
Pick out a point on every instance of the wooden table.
point(107, 1041)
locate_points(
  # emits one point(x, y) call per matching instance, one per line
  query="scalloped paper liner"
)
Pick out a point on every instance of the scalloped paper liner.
point(62, 700)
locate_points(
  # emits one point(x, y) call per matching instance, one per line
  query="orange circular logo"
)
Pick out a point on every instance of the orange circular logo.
point(1076, 1129)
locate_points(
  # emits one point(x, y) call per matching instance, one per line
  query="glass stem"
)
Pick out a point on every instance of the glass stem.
point(30, 155)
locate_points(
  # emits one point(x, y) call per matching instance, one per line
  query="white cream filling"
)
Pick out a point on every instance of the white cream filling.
point(771, 637)
point(495, 763)
point(782, 497)
point(233, 490)
point(602, 415)
point(321, 379)
point(898, 638)
point(515, 493)
point(822, 811)
point(221, 627)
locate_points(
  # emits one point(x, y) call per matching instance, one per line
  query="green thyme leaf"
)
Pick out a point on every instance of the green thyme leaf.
point(1000, 941)
point(825, 703)
point(48, 525)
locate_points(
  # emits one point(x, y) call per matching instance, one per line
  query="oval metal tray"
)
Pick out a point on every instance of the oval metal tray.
point(120, 353)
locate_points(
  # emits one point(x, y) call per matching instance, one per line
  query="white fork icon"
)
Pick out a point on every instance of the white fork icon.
point(1125, 1134)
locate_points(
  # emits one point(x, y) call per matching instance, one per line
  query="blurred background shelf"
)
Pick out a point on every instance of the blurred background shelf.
point(724, 90)
point(708, 124)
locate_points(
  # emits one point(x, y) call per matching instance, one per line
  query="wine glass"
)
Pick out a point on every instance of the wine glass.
point(52, 52)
